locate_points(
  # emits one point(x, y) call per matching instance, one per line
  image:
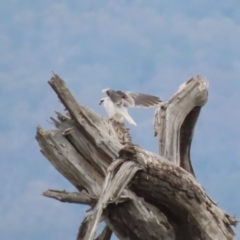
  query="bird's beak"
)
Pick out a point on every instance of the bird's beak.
point(101, 101)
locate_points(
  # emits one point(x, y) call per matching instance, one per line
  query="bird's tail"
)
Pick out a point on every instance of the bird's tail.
point(129, 118)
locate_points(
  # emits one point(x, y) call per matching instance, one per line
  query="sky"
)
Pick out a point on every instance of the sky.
point(147, 46)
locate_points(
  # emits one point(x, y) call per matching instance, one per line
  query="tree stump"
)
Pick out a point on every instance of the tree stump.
point(139, 194)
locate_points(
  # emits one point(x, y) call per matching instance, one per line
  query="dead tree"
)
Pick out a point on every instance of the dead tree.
point(139, 194)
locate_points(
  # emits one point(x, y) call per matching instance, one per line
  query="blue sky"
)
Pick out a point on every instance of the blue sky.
point(147, 46)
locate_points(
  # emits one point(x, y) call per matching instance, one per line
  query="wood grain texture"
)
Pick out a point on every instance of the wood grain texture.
point(175, 120)
point(71, 197)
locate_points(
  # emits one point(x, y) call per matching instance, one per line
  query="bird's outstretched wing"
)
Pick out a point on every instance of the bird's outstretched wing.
point(132, 99)
point(142, 100)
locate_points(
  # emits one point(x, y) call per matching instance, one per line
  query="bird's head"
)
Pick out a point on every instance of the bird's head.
point(101, 101)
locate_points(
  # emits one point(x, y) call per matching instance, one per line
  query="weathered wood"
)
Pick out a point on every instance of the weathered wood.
point(105, 235)
point(175, 121)
point(149, 222)
point(70, 163)
point(181, 198)
point(111, 192)
point(162, 201)
point(70, 197)
point(88, 122)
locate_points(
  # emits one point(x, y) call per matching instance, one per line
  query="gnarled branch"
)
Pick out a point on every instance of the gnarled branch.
point(146, 196)
point(70, 197)
point(175, 121)
point(105, 235)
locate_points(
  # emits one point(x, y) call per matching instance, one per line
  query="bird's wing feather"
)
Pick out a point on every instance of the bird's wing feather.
point(115, 96)
point(143, 100)
point(127, 100)
point(132, 99)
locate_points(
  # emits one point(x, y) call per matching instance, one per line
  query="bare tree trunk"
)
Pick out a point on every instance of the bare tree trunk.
point(140, 195)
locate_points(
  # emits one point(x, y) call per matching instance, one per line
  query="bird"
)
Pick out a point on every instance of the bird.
point(117, 103)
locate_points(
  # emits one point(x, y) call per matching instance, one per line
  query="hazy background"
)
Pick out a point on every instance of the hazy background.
point(144, 46)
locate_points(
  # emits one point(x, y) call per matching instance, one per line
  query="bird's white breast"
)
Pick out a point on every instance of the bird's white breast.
point(109, 107)
point(112, 110)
